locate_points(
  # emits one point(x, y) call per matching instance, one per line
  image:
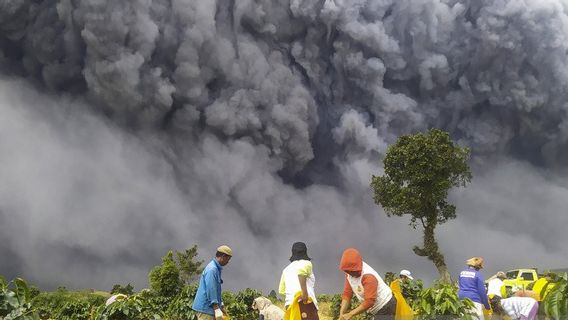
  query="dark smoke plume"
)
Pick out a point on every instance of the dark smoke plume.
point(146, 125)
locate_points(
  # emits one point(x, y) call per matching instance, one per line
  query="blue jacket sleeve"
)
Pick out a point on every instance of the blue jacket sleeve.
point(482, 292)
point(212, 282)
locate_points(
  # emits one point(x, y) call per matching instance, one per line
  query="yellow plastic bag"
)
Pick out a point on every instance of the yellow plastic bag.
point(487, 314)
point(293, 311)
point(403, 310)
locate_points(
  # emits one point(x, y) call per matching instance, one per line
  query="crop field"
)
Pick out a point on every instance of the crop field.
point(19, 301)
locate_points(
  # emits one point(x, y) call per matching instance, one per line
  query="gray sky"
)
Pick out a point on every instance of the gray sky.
point(131, 128)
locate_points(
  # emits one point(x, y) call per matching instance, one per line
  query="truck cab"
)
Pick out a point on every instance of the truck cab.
point(518, 279)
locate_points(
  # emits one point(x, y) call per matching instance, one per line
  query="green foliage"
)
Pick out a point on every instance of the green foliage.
point(15, 300)
point(239, 306)
point(326, 298)
point(134, 307)
point(74, 310)
point(556, 301)
point(188, 268)
point(34, 291)
point(180, 307)
point(419, 171)
point(336, 306)
point(127, 290)
point(411, 290)
point(389, 277)
point(165, 279)
point(67, 305)
point(442, 301)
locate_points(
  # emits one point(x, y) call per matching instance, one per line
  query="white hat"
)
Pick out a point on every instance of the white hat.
point(407, 274)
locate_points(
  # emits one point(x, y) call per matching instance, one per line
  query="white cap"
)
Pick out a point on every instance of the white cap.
point(407, 274)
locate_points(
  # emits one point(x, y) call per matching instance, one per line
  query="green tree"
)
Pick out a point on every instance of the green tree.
point(118, 288)
point(420, 169)
point(165, 278)
point(189, 268)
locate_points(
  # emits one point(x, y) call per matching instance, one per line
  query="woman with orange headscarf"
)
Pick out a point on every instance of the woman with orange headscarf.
point(471, 285)
point(365, 283)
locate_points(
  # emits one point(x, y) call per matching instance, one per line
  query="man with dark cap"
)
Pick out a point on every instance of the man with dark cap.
point(207, 303)
point(298, 276)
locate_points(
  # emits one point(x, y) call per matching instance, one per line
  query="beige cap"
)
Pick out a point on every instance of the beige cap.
point(226, 250)
point(476, 262)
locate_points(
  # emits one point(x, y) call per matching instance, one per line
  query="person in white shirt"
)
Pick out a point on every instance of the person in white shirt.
point(517, 308)
point(494, 285)
point(298, 276)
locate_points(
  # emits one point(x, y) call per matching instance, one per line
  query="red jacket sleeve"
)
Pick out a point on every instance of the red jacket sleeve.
point(370, 286)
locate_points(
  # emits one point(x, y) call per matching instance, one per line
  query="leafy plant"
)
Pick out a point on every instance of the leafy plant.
point(134, 307)
point(165, 278)
point(189, 268)
point(180, 307)
point(326, 298)
point(389, 277)
point(74, 310)
point(15, 300)
point(556, 301)
point(442, 301)
point(127, 290)
point(68, 305)
point(239, 306)
point(336, 306)
point(411, 290)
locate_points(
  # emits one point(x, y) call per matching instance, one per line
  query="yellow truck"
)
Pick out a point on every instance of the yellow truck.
point(527, 279)
point(519, 279)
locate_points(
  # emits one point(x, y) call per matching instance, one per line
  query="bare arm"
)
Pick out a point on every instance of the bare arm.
point(304, 288)
point(345, 304)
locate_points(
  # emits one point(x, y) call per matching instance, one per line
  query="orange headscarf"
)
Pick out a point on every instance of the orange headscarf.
point(351, 261)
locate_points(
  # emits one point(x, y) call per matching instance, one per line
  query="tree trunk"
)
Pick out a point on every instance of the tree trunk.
point(432, 251)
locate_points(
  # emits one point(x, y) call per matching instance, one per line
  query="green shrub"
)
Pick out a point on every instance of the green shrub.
point(239, 306)
point(15, 300)
point(180, 307)
point(325, 298)
point(336, 306)
point(134, 307)
point(165, 278)
point(62, 304)
point(411, 290)
point(441, 301)
point(74, 310)
point(556, 301)
point(118, 288)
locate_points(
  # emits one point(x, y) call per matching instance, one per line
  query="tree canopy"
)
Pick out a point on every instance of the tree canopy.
point(420, 169)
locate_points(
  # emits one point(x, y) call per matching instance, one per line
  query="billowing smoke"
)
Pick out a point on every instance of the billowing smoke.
point(146, 125)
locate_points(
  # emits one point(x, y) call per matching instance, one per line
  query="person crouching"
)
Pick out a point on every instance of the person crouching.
point(369, 288)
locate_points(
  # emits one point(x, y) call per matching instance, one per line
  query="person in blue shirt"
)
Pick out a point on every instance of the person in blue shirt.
point(471, 285)
point(208, 303)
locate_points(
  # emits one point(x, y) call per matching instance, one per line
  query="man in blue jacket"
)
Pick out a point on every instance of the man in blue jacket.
point(471, 286)
point(207, 302)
